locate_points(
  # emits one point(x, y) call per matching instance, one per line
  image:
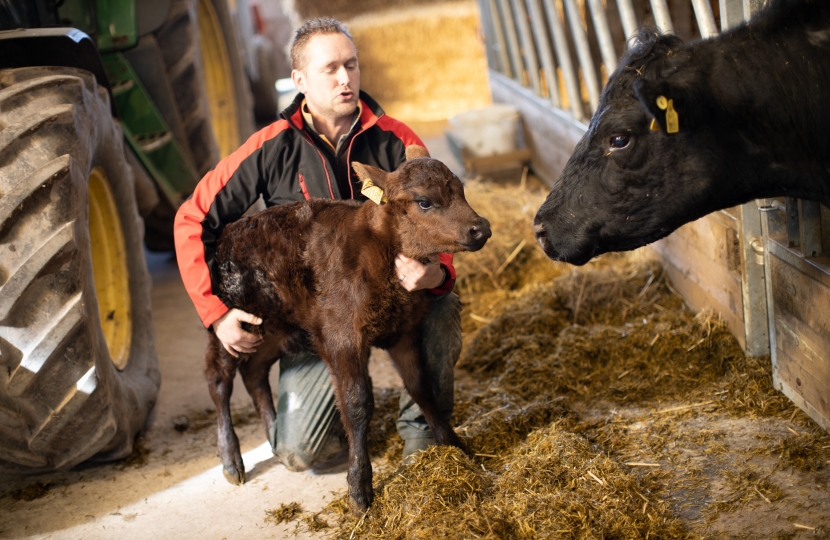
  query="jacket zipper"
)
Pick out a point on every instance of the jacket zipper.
point(303, 187)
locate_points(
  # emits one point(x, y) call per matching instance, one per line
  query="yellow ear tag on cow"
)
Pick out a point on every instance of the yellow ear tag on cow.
point(654, 125)
point(672, 120)
point(662, 102)
point(373, 192)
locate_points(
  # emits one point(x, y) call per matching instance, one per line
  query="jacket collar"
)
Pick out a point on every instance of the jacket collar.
point(369, 115)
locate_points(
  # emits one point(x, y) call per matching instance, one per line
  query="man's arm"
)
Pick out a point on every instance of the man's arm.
point(221, 197)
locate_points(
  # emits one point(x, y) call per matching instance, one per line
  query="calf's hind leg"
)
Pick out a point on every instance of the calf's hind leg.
point(254, 373)
point(220, 370)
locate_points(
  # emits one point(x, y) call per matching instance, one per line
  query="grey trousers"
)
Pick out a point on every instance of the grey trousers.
point(308, 430)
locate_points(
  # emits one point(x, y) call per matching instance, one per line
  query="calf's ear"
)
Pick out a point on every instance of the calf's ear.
point(367, 172)
point(414, 151)
point(655, 95)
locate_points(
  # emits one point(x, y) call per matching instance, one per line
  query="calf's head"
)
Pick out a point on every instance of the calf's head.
point(630, 181)
point(427, 202)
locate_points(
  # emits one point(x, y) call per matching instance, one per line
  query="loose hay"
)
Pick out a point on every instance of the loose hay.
point(595, 406)
point(284, 514)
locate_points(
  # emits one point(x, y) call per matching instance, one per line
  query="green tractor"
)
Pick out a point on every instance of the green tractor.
point(110, 112)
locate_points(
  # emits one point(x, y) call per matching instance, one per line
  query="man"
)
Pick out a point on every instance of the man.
point(308, 153)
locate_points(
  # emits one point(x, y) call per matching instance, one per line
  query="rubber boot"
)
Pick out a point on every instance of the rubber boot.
point(308, 427)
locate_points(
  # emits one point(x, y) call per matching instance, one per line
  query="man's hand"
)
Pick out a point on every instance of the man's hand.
point(229, 331)
point(415, 276)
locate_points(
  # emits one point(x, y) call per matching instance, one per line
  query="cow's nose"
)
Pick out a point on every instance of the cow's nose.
point(481, 230)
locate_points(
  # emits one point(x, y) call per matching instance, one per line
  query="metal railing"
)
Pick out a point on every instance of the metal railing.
point(564, 50)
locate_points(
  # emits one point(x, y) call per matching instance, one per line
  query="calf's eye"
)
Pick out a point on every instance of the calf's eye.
point(619, 142)
point(424, 205)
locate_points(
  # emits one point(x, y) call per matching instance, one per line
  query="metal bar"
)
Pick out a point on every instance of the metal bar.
point(545, 51)
point(606, 44)
point(661, 16)
point(583, 52)
point(512, 41)
point(731, 13)
point(563, 56)
point(487, 34)
point(628, 18)
point(809, 227)
point(705, 18)
point(498, 32)
point(532, 62)
point(751, 6)
point(793, 230)
point(753, 286)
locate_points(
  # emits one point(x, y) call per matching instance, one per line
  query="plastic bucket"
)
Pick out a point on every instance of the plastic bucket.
point(489, 131)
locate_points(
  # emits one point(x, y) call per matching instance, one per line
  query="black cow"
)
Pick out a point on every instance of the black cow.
point(753, 107)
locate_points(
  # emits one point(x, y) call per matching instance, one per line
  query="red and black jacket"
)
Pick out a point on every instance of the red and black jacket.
point(284, 162)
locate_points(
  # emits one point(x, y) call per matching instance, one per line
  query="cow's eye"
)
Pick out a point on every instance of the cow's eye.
point(424, 204)
point(618, 142)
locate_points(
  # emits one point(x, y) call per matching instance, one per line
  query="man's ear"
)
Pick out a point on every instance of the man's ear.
point(686, 102)
point(367, 172)
point(299, 80)
point(414, 151)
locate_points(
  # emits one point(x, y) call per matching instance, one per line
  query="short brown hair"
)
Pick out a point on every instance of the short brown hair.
point(309, 29)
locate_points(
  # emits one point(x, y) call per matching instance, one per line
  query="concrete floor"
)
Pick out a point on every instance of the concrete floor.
point(179, 490)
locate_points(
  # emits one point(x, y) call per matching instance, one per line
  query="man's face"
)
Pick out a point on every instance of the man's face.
point(331, 78)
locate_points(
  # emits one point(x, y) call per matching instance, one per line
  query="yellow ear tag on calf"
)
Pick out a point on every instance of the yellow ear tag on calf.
point(654, 125)
point(373, 192)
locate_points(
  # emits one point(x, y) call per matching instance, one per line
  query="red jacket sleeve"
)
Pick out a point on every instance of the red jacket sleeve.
point(189, 230)
point(449, 283)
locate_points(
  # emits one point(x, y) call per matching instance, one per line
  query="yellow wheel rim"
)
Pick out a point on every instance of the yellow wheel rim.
point(218, 80)
point(109, 268)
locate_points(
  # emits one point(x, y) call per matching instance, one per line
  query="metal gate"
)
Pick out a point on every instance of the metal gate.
point(765, 265)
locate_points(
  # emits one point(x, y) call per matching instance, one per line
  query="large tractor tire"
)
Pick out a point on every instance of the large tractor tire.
point(204, 65)
point(78, 369)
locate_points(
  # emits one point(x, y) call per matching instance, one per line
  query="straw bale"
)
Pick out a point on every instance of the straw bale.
point(423, 63)
point(302, 10)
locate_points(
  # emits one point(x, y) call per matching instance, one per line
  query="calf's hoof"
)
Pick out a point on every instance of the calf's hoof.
point(359, 503)
point(235, 474)
point(452, 439)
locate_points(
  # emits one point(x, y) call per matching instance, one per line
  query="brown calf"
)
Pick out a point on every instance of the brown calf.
point(321, 276)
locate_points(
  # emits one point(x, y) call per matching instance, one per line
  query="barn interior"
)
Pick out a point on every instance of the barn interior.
point(642, 395)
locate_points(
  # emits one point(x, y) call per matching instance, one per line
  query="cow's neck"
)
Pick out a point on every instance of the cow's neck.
point(771, 93)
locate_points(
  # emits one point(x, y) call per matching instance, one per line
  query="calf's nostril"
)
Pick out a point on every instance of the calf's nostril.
point(539, 231)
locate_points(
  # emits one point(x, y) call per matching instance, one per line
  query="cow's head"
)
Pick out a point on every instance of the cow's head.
point(630, 182)
point(427, 202)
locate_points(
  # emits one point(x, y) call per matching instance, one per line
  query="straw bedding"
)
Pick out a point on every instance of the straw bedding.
point(595, 406)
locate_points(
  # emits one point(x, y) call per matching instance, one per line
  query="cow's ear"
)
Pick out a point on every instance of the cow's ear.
point(673, 107)
point(414, 151)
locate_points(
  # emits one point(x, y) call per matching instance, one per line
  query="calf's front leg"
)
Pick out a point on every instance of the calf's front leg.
point(220, 370)
point(353, 390)
point(407, 359)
